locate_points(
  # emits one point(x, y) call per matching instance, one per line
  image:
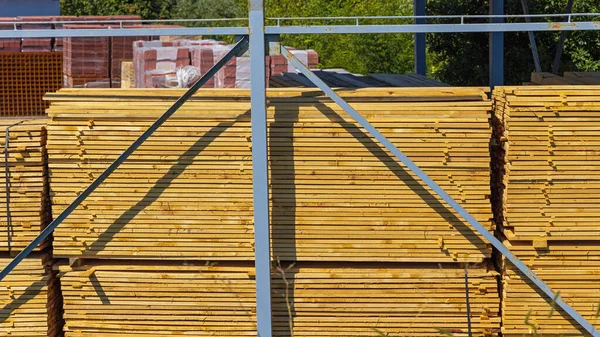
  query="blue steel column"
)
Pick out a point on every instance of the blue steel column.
point(420, 39)
point(260, 175)
point(496, 46)
point(440, 192)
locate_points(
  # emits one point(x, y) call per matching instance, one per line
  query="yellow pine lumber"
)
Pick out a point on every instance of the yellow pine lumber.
point(335, 192)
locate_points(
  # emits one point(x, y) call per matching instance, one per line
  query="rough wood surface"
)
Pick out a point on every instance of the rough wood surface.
point(336, 194)
point(29, 195)
point(547, 186)
point(29, 301)
point(164, 299)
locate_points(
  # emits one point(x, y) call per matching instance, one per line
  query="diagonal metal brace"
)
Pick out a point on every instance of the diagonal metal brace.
point(440, 192)
point(238, 49)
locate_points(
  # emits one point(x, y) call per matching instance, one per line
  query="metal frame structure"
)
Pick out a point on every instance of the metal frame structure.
point(263, 40)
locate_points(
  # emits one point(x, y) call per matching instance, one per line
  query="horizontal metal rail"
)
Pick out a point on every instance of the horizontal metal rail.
point(309, 18)
point(440, 192)
point(237, 50)
point(356, 28)
point(115, 32)
point(435, 28)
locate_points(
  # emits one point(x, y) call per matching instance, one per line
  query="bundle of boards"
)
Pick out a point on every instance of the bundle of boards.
point(336, 194)
point(30, 300)
point(548, 203)
point(109, 298)
point(364, 244)
point(25, 205)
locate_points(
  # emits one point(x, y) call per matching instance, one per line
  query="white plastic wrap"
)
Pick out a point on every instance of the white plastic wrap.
point(302, 56)
point(242, 72)
point(186, 76)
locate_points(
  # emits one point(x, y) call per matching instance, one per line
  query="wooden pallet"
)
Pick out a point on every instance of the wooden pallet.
point(111, 298)
point(335, 193)
point(30, 301)
point(29, 196)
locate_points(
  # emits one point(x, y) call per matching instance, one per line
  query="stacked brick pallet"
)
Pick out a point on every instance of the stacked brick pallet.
point(25, 78)
point(9, 45)
point(279, 64)
point(343, 210)
point(97, 60)
point(156, 62)
point(30, 295)
point(549, 208)
point(86, 59)
point(35, 44)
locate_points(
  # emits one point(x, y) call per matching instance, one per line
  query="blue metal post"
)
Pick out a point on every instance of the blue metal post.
point(440, 192)
point(238, 49)
point(420, 39)
point(496, 46)
point(260, 175)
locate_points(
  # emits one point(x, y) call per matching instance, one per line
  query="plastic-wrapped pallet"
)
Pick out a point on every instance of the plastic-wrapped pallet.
point(155, 62)
point(235, 74)
point(279, 64)
point(35, 44)
point(203, 56)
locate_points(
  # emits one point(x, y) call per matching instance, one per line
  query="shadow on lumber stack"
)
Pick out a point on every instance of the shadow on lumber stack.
point(549, 192)
point(30, 297)
point(363, 244)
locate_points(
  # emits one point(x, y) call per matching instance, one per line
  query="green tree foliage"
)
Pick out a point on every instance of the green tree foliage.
point(365, 53)
point(147, 9)
point(459, 59)
point(462, 59)
point(208, 9)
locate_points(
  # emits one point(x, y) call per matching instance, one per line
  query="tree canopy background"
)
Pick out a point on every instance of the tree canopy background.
point(458, 59)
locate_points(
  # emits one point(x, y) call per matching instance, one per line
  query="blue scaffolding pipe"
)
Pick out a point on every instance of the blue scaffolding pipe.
point(238, 49)
point(260, 173)
point(496, 61)
point(440, 192)
point(310, 29)
point(420, 48)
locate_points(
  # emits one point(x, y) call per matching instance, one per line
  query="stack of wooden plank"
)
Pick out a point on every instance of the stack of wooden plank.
point(24, 79)
point(126, 299)
point(568, 78)
point(186, 193)
point(27, 200)
point(569, 268)
point(396, 299)
point(105, 298)
point(548, 204)
point(373, 247)
point(30, 305)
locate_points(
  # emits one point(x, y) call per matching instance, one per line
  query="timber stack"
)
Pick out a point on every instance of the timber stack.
point(347, 219)
point(549, 209)
point(25, 205)
point(30, 295)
